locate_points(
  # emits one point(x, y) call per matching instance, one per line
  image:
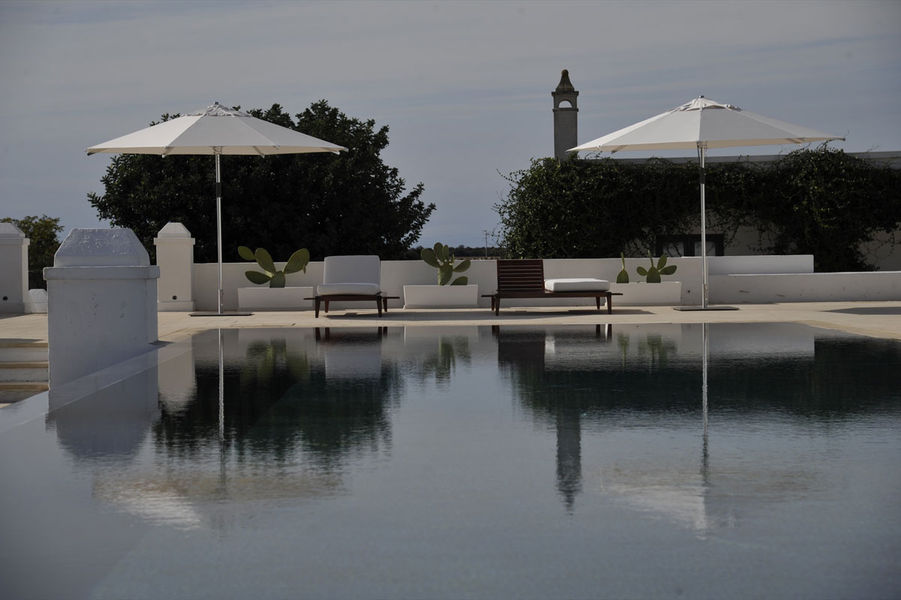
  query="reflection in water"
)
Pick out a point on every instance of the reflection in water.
point(278, 441)
point(441, 364)
point(436, 353)
point(111, 424)
point(280, 414)
point(549, 370)
point(328, 396)
point(277, 419)
point(574, 377)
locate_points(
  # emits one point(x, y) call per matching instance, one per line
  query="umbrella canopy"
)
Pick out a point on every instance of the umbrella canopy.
point(216, 130)
point(702, 124)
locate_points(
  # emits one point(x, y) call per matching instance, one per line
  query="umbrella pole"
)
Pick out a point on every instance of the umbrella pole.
point(219, 232)
point(702, 149)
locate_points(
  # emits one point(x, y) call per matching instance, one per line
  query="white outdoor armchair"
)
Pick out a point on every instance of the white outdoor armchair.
point(355, 278)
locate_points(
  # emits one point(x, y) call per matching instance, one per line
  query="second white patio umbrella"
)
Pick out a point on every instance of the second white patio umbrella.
point(216, 130)
point(703, 124)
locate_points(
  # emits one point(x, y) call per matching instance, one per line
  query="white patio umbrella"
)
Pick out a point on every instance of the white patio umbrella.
point(703, 124)
point(216, 130)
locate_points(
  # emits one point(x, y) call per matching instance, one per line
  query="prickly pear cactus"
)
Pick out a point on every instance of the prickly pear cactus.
point(623, 276)
point(441, 257)
point(274, 277)
point(652, 275)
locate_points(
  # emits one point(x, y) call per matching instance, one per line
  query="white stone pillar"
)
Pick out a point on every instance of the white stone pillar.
point(102, 302)
point(13, 269)
point(175, 258)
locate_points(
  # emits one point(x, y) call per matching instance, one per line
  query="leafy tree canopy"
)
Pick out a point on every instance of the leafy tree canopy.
point(822, 202)
point(42, 233)
point(351, 203)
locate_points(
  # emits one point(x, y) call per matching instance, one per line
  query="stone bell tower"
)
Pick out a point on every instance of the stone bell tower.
point(566, 117)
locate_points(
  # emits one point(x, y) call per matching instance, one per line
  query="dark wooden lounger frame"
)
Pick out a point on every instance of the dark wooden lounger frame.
point(524, 278)
point(380, 299)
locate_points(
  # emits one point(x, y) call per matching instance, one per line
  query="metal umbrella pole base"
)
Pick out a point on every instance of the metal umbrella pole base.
point(705, 283)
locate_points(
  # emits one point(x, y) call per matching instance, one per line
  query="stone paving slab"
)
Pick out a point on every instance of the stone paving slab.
point(875, 319)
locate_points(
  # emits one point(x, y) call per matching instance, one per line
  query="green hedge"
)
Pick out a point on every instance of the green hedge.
point(822, 202)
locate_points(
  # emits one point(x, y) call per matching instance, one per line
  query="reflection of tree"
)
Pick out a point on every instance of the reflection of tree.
point(845, 377)
point(334, 419)
point(263, 359)
point(442, 363)
point(277, 400)
point(655, 350)
point(614, 380)
point(622, 341)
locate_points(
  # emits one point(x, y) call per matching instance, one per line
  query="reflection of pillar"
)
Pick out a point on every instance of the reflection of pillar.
point(569, 455)
point(111, 423)
point(178, 382)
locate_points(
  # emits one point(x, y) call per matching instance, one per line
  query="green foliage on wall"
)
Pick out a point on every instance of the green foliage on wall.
point(826, 203)
point(821, 201)
point(580, 209)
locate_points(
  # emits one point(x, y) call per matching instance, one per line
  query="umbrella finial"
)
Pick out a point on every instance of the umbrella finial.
point(217, 110)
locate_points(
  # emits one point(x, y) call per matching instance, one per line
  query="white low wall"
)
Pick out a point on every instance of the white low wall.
point(764, 263)
point(733, 279)
point(805, 287)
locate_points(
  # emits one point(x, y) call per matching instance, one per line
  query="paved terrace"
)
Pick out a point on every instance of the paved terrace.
point(874, 319)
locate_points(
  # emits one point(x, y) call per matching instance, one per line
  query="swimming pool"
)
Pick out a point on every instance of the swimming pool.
point(478, 462)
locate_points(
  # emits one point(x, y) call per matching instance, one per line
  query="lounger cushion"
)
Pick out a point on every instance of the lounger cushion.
point(324, 289)
point(576, 285)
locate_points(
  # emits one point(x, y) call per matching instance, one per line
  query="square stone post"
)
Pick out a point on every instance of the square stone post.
point(13, 269)
point(175, 258)
point(102, 302)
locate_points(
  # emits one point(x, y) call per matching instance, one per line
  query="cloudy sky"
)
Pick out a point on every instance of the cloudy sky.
point(463, 86)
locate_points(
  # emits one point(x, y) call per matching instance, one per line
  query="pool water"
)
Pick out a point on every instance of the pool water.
point(471, 462)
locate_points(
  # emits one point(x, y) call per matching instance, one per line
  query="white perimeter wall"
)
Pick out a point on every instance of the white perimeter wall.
point(733, 279)
point(805, 287)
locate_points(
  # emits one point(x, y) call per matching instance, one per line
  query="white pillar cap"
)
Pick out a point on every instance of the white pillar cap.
point(101, 248)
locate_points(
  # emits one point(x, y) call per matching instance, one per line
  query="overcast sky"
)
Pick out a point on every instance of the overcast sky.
point(463, 86)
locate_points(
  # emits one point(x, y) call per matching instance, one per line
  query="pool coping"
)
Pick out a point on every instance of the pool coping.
point(877, 319)
point(881, 319)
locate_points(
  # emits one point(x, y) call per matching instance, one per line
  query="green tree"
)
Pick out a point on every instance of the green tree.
point(351, 203)
point(43, 243)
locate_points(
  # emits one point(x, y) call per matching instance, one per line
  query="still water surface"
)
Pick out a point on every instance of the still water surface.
point(479, 462)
